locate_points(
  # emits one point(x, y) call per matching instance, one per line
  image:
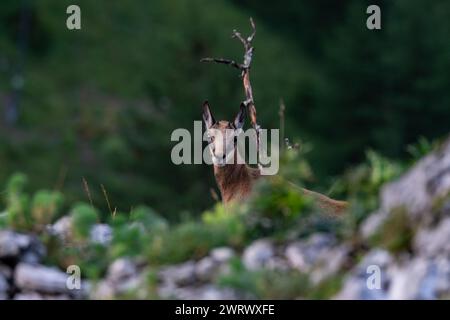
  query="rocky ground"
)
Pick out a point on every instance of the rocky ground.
point(407, 239)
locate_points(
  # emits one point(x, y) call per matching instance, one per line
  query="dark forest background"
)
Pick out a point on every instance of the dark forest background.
point(101, 102)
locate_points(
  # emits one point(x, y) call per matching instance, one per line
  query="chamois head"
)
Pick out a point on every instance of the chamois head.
point(222, 135)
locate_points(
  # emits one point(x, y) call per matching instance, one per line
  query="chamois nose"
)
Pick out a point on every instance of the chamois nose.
point(223, 157)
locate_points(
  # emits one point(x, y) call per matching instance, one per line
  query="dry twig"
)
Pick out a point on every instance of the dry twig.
point(245, 73)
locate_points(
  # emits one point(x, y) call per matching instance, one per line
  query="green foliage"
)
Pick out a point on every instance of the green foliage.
point(190, 240)
point(230, 220)
point(45, 206)
point(17, 202)
point(361, 186)
point(23, 213)
point(84, 217)
point(421, 148)
point(396, 233)
point(149, 219)
point(130, 238)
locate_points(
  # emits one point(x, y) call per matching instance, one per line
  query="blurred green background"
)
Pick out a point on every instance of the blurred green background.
point(101, 102)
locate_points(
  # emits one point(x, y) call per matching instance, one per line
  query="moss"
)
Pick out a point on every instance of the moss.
point(396, 233)
point(326, 288)
point(439, 205)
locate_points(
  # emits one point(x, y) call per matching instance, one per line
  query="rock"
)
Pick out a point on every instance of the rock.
point(371, 225)
point(121, 269)
point(302, 255)
point(206, 268)
point(181, 274)
point(20, 247)
point(62, 228)
point(37, 296)
point(4, 286)
point(329, 263)
point(11, 243)
point(101, 234)
point(319, 255)
point(28, 296)
point(434, 242)
point(34, 253)
point(222, 254)
point(122, 277)
point(428, 180)
point(258, 254)
point(420, 278)
point(204, 292)
point(277, 263)
point(416, 191)
point(355, 285)
point(104, 290)
point(44, 280)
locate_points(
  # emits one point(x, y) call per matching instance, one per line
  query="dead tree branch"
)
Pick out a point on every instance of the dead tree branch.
point(245, 73)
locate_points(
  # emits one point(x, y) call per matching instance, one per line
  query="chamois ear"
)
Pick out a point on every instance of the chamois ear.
point(240, 117)
point(208, 118)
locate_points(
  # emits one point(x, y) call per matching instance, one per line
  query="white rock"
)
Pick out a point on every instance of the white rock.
point(37, 296)
point(43, 279)
point(206, 268)
point(121, 269)
point(28, 296)
point(258, 254)
point(222, 254)
point(104, 290)
point(204, 292)
point(11, 243)
point(421, 278)
point(434, 242)
point(371, 225)
point(355, 285)
point(101, 234)
point(62, 228)
point(181, 274)
point(304, 255)
point(420, 186)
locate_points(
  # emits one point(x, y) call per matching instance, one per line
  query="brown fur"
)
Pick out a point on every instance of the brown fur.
point(236, 181)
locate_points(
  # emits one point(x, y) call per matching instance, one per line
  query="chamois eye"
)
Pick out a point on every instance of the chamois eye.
point(212, 138)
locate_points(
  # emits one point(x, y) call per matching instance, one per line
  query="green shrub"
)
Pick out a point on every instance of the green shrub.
point(17, 203)
point(130, 238)
point(84, 217)
point(361, 186)
point(149, 219)
point(190, 240)
point(396, 233)
point(45, 206)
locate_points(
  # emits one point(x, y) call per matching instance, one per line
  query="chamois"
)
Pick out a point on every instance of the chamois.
point(236, 179)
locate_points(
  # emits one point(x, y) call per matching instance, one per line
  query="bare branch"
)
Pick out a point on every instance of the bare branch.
point(245, 73)
point(223, 61)
point(238, 35)
point(250, 38)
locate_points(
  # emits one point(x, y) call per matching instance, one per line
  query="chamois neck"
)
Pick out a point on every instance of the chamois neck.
point(235, 180)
